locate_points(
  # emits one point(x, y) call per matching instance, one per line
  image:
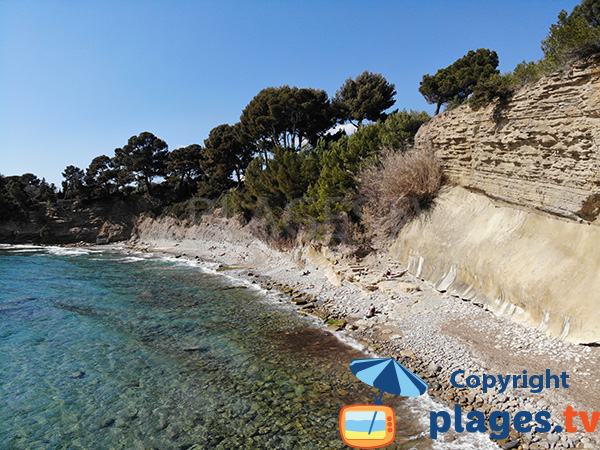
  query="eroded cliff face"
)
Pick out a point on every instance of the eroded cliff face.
point(100, 222)
point(539, 150)
point(523, 238)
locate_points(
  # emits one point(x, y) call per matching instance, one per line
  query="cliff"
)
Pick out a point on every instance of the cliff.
point(101, 221)
point(517, 228)
point(539, 150)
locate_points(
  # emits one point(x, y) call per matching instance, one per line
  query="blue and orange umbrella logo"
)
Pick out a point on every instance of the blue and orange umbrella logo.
point(374, 426)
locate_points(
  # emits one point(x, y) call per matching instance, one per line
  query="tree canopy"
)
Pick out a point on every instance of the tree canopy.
point(98, 176)
point(286, 117)
point(574, 36)
point(184, 164)
point(589, 10)
point(364, 98)
point(456, 82)
point(73, 183)
point(227, 151)
point(144, 156)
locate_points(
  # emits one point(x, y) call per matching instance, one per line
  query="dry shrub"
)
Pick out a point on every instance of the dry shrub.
point(396, 188)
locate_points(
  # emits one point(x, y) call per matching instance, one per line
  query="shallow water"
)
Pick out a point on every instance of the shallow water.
point(104, 350)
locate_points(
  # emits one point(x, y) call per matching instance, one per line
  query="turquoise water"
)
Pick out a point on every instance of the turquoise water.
point(104, 350)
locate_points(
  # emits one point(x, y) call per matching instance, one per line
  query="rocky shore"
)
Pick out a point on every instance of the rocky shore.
point(430, 332)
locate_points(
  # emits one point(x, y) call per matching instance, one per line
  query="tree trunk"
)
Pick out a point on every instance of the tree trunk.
point(437, 109)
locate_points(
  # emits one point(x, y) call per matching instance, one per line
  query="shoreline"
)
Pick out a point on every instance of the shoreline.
point(414, 323)
point(431, 333)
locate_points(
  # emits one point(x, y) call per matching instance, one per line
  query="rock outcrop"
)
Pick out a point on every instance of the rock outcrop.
point(534, 268)
point(99, 222)
point(540, 149)
point(517, 229)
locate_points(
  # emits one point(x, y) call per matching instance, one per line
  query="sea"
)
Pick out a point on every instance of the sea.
point(102, 348)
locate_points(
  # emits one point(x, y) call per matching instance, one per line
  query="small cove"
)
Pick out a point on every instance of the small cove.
point(104, 350)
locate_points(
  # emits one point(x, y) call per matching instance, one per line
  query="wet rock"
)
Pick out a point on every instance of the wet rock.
point(300, 300)
point(320, 313)
point(308, 307)
point(162, 424)
point(78, 374)
point(130, 414)
point(335, 325)
point(107, 423)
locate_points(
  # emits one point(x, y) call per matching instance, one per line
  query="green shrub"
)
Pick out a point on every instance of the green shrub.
point(495, 87)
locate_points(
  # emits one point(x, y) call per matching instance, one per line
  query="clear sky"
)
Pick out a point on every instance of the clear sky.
point(78, 78)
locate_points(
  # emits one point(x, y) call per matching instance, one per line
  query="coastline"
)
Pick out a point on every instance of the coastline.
point(431, 333)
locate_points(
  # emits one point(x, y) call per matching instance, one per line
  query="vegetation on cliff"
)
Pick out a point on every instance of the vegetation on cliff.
point(475, 79)
point(455, 83)
point(575, 36)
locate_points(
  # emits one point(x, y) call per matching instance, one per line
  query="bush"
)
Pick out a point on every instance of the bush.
point(397, 188)
point(573, 38)
point(527, 72)
point(570, 39)
point(495, 87)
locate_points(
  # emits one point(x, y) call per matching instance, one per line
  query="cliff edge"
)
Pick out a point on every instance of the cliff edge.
point(516, 229)
point(539, 149)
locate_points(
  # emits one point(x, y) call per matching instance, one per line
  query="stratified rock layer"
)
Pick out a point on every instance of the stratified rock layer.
point(523, 238)
point(538, 150)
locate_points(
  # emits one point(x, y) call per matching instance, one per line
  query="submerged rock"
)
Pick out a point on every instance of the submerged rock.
point(107, 423)
point(195, 349)
point(336, 325)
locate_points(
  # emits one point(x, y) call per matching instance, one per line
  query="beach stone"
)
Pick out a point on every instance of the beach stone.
point(336, 325)
point(553, 438)
point(435, 368)
point(435, 386)
point(406, 353)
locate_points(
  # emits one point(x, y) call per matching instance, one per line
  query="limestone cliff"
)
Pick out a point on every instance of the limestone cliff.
point(539, 150)
point(523, 238)
point(101, 221)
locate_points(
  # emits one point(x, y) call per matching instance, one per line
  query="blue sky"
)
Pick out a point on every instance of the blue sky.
point(78, 78)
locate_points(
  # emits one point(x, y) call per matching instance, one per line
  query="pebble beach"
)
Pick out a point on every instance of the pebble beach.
point(430, 332)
